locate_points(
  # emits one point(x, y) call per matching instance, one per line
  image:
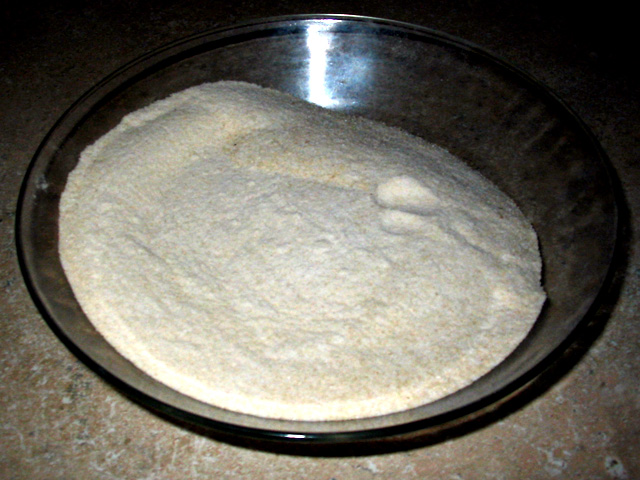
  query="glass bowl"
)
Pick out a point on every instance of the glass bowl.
point(501, 121)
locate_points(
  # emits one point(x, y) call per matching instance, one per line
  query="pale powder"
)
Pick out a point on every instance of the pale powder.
point(271, 257)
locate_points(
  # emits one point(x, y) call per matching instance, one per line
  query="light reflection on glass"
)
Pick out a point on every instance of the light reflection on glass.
point(319, 43)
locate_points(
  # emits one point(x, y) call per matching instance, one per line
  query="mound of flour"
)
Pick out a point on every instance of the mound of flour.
point(271, 257)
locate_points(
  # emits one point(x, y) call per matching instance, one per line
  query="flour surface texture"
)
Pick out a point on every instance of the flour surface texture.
point(272, 257)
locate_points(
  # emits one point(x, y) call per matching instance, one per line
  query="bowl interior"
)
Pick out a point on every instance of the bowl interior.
point(499, 120)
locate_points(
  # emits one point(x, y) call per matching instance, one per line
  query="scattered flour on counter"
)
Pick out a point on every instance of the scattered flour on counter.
point(271, 257)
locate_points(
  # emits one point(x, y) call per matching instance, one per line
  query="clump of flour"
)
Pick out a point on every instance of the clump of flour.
point(271, 257)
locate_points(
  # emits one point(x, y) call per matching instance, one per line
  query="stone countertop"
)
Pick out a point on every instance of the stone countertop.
point(60, 420)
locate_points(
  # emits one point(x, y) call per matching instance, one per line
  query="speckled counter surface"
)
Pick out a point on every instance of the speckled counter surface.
point(59, 420)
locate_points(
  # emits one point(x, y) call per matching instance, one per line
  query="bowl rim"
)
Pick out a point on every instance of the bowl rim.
point(285, 430)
